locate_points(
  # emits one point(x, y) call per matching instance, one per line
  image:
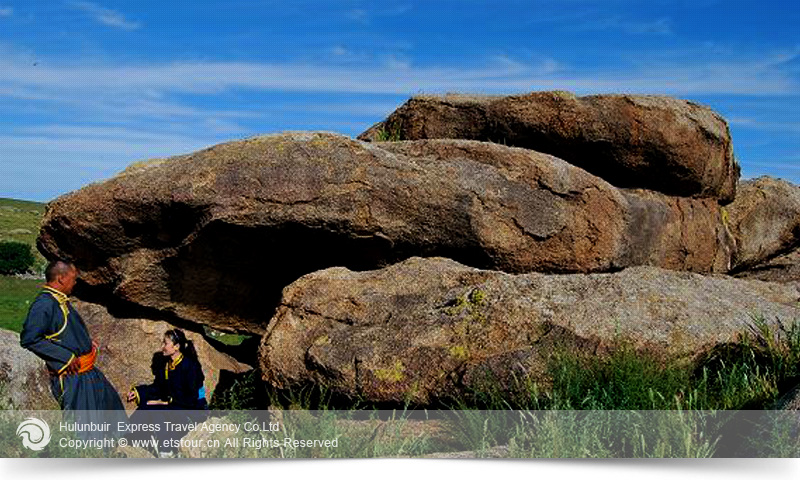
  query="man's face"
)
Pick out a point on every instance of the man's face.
point(68, 280)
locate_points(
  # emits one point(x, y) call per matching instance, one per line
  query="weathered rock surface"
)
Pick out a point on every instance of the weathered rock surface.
point(670, 232)
point(24, 382)
point(425, 330)
point(634, 141)
point(127, 347)
point(765, 220)
point(782, 269)
point(214, 236)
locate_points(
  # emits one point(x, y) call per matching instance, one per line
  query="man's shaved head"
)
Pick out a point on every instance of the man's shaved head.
point(56, 268)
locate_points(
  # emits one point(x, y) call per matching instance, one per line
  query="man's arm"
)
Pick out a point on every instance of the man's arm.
point(38, 325)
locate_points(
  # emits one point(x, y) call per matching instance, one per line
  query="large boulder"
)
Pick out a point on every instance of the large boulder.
point(24, 381)
point(764, 220)
point(670, 232)
point(426, 330)
point(127, 347)
point(636, 141)
point(214, 236)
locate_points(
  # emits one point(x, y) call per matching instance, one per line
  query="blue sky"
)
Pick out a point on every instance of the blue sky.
point(87, 87)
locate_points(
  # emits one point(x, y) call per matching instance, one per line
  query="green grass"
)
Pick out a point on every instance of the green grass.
point(389, 134)
point(750, 375)
point(20, 221)
point(230, 339)
point(16, 295)
point(627, 403)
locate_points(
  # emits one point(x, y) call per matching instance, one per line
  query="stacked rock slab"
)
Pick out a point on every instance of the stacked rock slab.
point(765, 222)
point(214, 236)
point(425, 331)
point(637, 141)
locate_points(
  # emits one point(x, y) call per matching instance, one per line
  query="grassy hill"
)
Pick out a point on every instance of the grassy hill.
point(19, 221)
point(16, 295)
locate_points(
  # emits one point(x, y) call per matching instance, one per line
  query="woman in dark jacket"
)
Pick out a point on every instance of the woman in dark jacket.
point(177, 394)
point(178, 383)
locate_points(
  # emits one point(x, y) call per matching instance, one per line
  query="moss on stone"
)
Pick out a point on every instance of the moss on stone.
point(459, 352)
point(395, 373)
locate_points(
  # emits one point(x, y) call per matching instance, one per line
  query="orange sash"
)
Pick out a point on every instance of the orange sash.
point(86, 362)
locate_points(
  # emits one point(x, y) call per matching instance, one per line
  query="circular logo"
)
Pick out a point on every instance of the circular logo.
point(35, 433)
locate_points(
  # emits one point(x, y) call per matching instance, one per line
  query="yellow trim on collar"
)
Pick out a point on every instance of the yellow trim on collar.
point(63, 303)
point(176, 362)
point(56, 292)
point(171, 365)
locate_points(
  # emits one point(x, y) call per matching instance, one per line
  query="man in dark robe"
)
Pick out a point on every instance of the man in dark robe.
point(56, 333)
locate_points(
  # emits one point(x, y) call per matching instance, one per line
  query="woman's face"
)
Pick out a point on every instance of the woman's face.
point(167, 347)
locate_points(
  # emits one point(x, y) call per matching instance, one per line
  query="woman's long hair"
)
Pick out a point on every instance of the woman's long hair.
point(185, 345)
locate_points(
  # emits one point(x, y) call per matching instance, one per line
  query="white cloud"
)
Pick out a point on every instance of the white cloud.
point(660, 26)
point(763, 74)
point(772, 126)
point(592, 19)
point(358, 15)
point(791, 162)
point(357, 109)
point(364, 17)
point(99, 132)
point(218, 126)
point(340, 51)
point(339, 54)
point(106, 16)
point(6, 11)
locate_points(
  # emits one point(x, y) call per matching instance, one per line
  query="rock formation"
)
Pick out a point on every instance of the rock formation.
point(213, 237)
point(637, 141)
point(488, 234)
point(765, 221)
point(425, 330)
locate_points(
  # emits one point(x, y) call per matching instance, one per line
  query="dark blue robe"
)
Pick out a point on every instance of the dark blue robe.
point(57, 340)
point(181, 386)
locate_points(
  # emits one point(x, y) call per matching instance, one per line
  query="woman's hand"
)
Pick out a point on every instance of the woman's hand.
point(157, 402)
point(131, 396)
